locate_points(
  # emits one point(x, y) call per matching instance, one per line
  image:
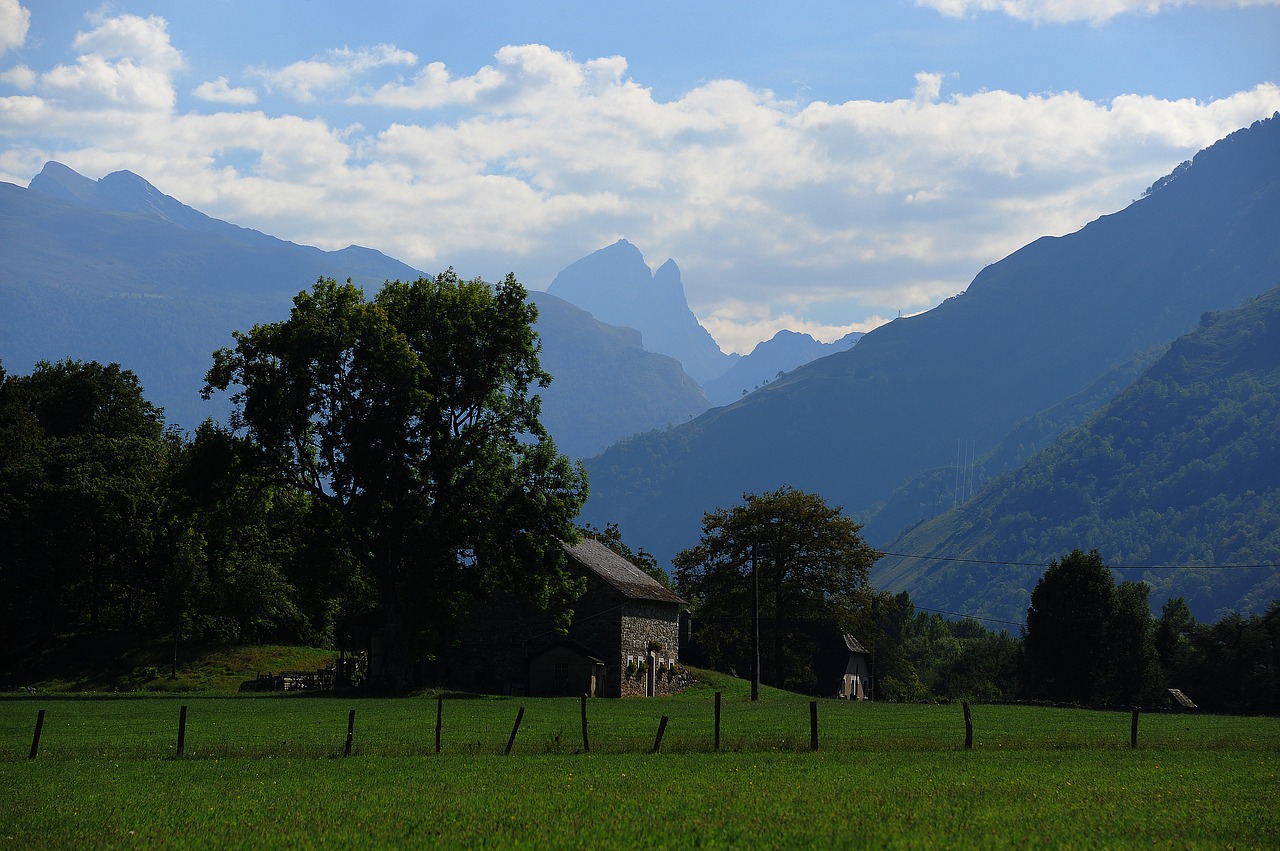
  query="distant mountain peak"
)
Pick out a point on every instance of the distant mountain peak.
point(615, 285)
point(120, 192)
point(64, 183)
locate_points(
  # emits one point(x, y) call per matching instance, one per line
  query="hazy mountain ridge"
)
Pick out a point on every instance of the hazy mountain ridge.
point(1178, 469)
point(607, 386)
point(116, 271)
point(1033, 329)
point(615, 285)
point(80, 279)
point(781, 353)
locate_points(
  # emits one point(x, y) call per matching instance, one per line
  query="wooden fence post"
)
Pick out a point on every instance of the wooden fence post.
point(662, 728)
point(351, 731)
point(586, 742)
point(968, 727)
point(717, 720)
point(813, 725)
point(35, 740)
point(515, 729)
point(439, 719)
point(182, 730)
point(1133, 729)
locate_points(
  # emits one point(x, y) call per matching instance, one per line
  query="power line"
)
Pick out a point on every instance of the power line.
point(1112, 566)
point(968, 617)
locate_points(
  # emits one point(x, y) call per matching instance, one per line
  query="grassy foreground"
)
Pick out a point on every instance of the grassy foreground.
point(270, 771)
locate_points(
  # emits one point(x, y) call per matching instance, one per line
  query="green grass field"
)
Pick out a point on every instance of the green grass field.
point(269, 770)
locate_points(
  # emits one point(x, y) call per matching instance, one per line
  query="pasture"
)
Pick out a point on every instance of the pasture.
point(270, 770)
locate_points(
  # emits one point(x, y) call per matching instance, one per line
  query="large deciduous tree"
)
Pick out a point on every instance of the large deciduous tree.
point(413, 416)
point(83, 466)
point(812, 569)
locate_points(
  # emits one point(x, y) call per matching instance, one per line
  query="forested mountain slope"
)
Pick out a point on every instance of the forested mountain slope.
point(1180, 469)
point(1032, 330)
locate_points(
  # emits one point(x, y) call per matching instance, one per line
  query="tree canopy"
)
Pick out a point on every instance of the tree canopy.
point(81, 477)
point(813, 572)
point(1087, 640)
point(413, 418)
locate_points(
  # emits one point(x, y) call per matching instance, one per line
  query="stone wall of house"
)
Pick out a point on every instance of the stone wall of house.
point(644, 627)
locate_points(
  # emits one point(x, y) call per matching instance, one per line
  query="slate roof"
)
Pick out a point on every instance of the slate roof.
point(853, 644)
point(581, 649)
point(620, 573)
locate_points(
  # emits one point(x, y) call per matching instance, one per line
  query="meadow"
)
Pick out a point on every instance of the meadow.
point(271, 770)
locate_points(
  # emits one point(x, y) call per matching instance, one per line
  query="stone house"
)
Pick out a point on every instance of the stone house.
point(624, 640)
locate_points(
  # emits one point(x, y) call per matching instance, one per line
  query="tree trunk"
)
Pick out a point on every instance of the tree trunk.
point(396, 671)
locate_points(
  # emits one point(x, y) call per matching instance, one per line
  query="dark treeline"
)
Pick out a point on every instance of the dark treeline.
point(1087, 641)
point(112, 522)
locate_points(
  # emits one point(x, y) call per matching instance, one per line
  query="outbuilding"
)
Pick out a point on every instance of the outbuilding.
point(625, 628)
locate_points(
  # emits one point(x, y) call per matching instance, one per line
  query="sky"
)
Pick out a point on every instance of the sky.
point(814, 166)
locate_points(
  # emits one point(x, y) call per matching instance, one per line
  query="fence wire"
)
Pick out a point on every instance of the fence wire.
point(305, 727)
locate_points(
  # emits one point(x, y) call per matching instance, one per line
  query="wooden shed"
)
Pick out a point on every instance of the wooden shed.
point(566, 669)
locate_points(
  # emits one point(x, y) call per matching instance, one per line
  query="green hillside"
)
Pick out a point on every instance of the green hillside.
point(1032, 330)
point(1180, 469)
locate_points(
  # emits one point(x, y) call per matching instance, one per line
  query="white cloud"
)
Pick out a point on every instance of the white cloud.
point(1063, 11)
point(219, 91)
point(126, 61)
point(304, 81)
point(145, 40)
point(14, 23)
point(20, 77)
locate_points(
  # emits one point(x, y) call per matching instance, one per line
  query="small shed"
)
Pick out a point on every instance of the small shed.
point(855, 683)
point(566, 669)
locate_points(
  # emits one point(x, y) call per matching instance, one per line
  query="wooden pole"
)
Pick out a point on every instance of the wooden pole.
point(717, 720)
point(35, 740)
point(515, 729)
point(662, 728)
point(439, 719)
point(755, 628)
point(1133, 729)
point(586, 742)
point(182, 730)
point(813, 725)
point(968, 727)
point(351, 732)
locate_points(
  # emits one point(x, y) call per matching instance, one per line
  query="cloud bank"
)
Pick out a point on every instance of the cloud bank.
point(820, 217)
point(1065, 11)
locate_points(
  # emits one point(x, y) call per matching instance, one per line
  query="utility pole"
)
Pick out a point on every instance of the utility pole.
point(755, 627)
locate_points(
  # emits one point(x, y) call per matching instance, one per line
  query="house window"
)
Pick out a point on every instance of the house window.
point(560, 673)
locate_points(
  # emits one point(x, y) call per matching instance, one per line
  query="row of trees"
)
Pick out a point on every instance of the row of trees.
point(384, 453)
point(112, 522)
point(1087, 641)
point(783, 573)
point(387, 454)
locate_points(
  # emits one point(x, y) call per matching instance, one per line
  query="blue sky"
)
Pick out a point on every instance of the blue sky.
point(815, 166)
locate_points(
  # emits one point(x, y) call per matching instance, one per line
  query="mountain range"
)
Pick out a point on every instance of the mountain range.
point(115, 270)
point(1057, 402)
point(1035, 343)
point(1179, 469)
